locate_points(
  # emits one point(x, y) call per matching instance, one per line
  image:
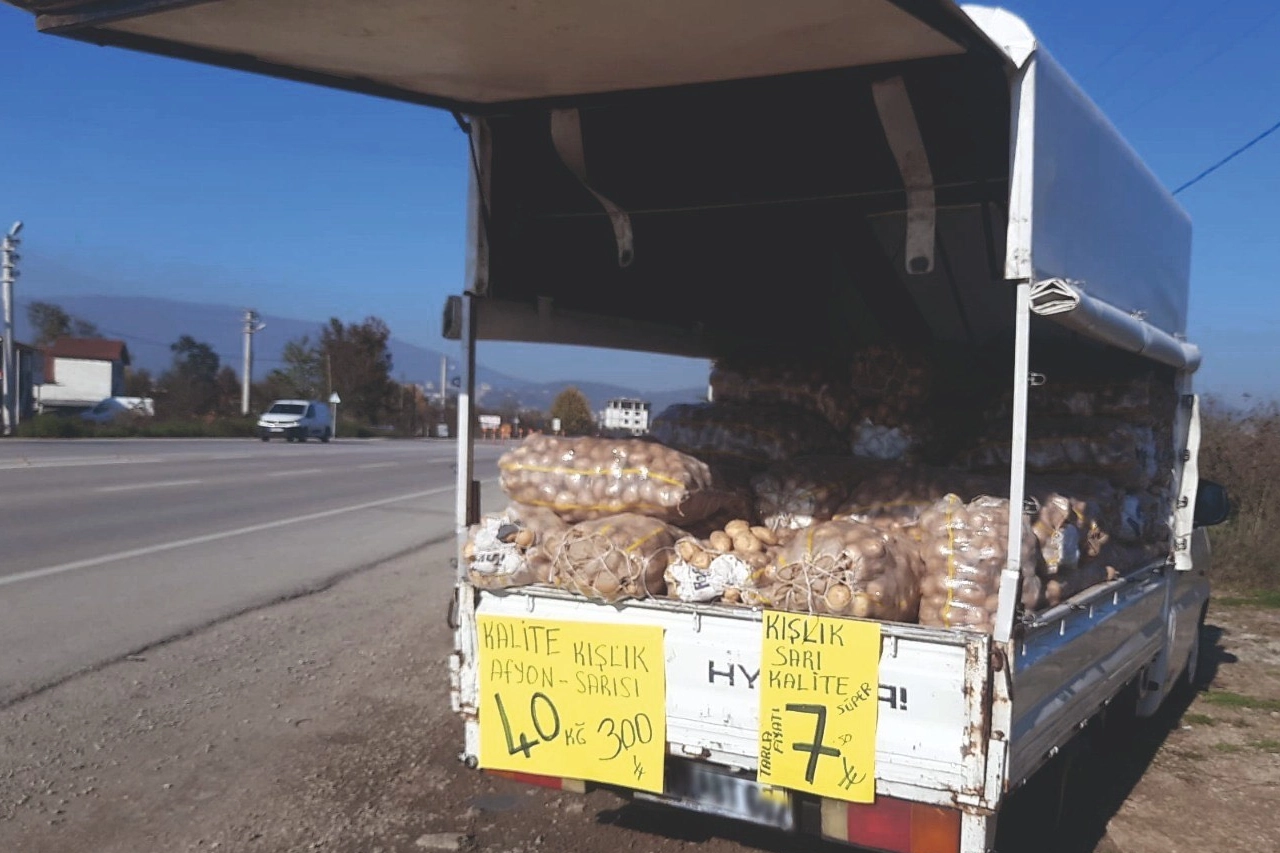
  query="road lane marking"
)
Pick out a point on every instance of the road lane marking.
point(298, 473)
point(164, 484)
point(160, 548)
point(370, 465)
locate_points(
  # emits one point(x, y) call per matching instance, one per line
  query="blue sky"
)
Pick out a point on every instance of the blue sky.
point(141, 175)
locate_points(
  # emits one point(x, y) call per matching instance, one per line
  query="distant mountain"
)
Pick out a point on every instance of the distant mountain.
point(149, 325)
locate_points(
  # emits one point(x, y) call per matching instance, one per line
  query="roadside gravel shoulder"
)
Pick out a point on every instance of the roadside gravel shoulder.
point(323, 723)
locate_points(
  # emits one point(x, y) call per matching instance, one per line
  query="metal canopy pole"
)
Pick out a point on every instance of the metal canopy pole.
point(464, 504)
point(1011, 577)
point(1019, 270)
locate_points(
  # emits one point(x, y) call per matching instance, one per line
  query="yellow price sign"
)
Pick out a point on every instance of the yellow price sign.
point(573, 699)
point(818, 705)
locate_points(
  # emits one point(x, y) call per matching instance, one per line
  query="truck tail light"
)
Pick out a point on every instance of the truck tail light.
point(558, 783)
point(895, 825)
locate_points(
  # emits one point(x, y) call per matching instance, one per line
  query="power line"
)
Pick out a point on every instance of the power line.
point(1175, 42)
point(1187, 72)
point(1132, 39)
point(1225, 160)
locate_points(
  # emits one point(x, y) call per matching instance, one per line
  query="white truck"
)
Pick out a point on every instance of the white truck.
point(687, 178)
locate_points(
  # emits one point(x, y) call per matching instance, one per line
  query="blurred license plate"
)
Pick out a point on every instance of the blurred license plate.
point(699, 788)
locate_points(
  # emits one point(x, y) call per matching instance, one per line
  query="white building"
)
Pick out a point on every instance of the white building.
point(81, 372)
point(30, 371)
point(625, 415)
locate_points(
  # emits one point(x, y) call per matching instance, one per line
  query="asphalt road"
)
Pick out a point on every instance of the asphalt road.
point(108, 547)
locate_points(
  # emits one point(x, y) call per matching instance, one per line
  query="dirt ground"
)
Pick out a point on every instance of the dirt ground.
point(322, 723)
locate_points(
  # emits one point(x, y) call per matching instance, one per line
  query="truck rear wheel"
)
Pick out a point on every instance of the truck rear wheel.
point(325, 436)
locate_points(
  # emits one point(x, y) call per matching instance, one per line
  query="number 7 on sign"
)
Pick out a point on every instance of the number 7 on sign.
point(816, 749)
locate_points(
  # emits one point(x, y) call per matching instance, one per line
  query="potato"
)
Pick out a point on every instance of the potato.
point(606, 585)
point(747, 543)
point(721, 541)
point(686, 548)
point(838, 598)
point(737, 527)
point(701, 561)
point(524, 538)
point(765, 535)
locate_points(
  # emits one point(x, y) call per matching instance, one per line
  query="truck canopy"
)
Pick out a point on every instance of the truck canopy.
point(482, 57)
point(696, 179)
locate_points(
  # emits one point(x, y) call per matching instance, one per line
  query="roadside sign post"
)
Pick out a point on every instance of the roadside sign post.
point(334, 400)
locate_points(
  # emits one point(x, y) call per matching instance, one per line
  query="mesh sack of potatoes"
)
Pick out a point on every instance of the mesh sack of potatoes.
point(1116, 559)
point(890, 497)
point(841, 568)
point(1146, 399)
point(1068, 532)
point(1125, 454)
point(892, 384)
point(585, 478)
point(612, 558)
point(720, 565)
point(513, 547)
point(797, 493)
point(810, 385)
point(964, 547)
point(1104, 513)
point(754, 434)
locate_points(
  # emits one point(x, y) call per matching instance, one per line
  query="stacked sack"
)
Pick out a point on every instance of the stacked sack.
point(798, 493)
point(964, 549)
point(580, 479)
point(722, 565)
point(876, 403)
point(513, 547)
point(621, 556)
point(841, 568)
point(895, 497)
point(593, 516)
point(1126, 455)
point(754, 435)
point(1113, 439)
point(809, 385)
point(893, 388)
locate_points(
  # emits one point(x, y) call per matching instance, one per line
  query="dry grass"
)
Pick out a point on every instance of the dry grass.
point(1241, 450)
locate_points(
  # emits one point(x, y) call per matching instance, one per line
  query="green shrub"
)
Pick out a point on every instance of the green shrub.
point(49, 425)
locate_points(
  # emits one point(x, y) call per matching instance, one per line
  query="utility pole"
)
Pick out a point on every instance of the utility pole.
point(251, 328)
point(9, 272)
point(444, 369)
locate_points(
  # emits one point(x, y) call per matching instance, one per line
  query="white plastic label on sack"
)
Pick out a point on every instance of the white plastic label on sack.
point(493, 556)
point(693, 584)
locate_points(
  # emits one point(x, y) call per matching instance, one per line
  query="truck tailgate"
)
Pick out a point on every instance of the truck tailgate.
point(931, 733)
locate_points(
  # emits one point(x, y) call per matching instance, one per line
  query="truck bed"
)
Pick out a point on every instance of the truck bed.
point(940, 736)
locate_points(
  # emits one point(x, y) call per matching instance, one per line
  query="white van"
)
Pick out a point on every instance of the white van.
point(296, 420)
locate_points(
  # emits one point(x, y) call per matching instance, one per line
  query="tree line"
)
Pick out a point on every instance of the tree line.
point(353, 359)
